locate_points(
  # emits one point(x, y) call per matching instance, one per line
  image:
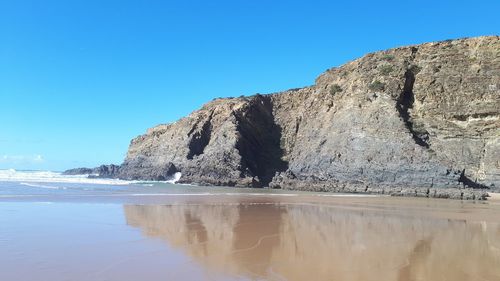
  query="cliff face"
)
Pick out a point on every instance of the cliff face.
point(414, 120)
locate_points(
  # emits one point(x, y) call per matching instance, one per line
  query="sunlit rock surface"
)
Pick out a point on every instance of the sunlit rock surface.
point(420, 120)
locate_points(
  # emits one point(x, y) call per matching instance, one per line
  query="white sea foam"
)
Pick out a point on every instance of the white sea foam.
point(25, 177)
point(41, 185)
point(177, 176)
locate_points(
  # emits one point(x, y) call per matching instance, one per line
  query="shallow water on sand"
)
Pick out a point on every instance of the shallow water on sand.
point(153, 232)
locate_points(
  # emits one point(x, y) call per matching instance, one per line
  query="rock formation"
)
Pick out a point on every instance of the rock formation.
point(103, 171)
point(421, 120)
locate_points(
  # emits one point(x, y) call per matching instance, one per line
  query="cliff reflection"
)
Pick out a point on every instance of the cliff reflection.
point(309, 242)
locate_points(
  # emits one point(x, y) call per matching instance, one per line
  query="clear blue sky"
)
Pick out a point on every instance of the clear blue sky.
point(79, 79)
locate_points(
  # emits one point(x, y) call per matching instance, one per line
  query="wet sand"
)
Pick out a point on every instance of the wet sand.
point(495, 197)
point(248, 237)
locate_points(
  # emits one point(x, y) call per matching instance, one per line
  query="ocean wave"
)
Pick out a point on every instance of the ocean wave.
point(11, 175)
point(177, 176)
point(25, 177)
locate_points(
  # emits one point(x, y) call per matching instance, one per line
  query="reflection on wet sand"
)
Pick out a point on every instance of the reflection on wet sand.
point(312, 242)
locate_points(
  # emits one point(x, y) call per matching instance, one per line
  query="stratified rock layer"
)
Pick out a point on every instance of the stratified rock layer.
point(420, 120)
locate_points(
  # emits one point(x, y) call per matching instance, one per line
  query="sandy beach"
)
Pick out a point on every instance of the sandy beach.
point(101, 232)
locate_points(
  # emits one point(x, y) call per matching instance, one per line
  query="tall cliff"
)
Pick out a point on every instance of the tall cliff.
point(414, 120)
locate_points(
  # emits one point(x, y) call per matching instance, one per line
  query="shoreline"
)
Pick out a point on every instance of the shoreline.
point(494, 196)
point(34, 179)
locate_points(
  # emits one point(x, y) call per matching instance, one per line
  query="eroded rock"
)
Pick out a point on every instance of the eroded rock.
point(420, 120)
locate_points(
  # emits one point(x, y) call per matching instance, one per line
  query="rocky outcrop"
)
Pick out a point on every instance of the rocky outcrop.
point(79, 171)
point(232, 142)
point(420, 120)
point(103, 171)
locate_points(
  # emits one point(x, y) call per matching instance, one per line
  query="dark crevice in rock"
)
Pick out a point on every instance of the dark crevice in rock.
point(465, 117)
point(468, 182)
point(297, 125)
point(405, 103)
point(414, 51)
point(200, 139)
point(259, 141)
point(167, 172)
